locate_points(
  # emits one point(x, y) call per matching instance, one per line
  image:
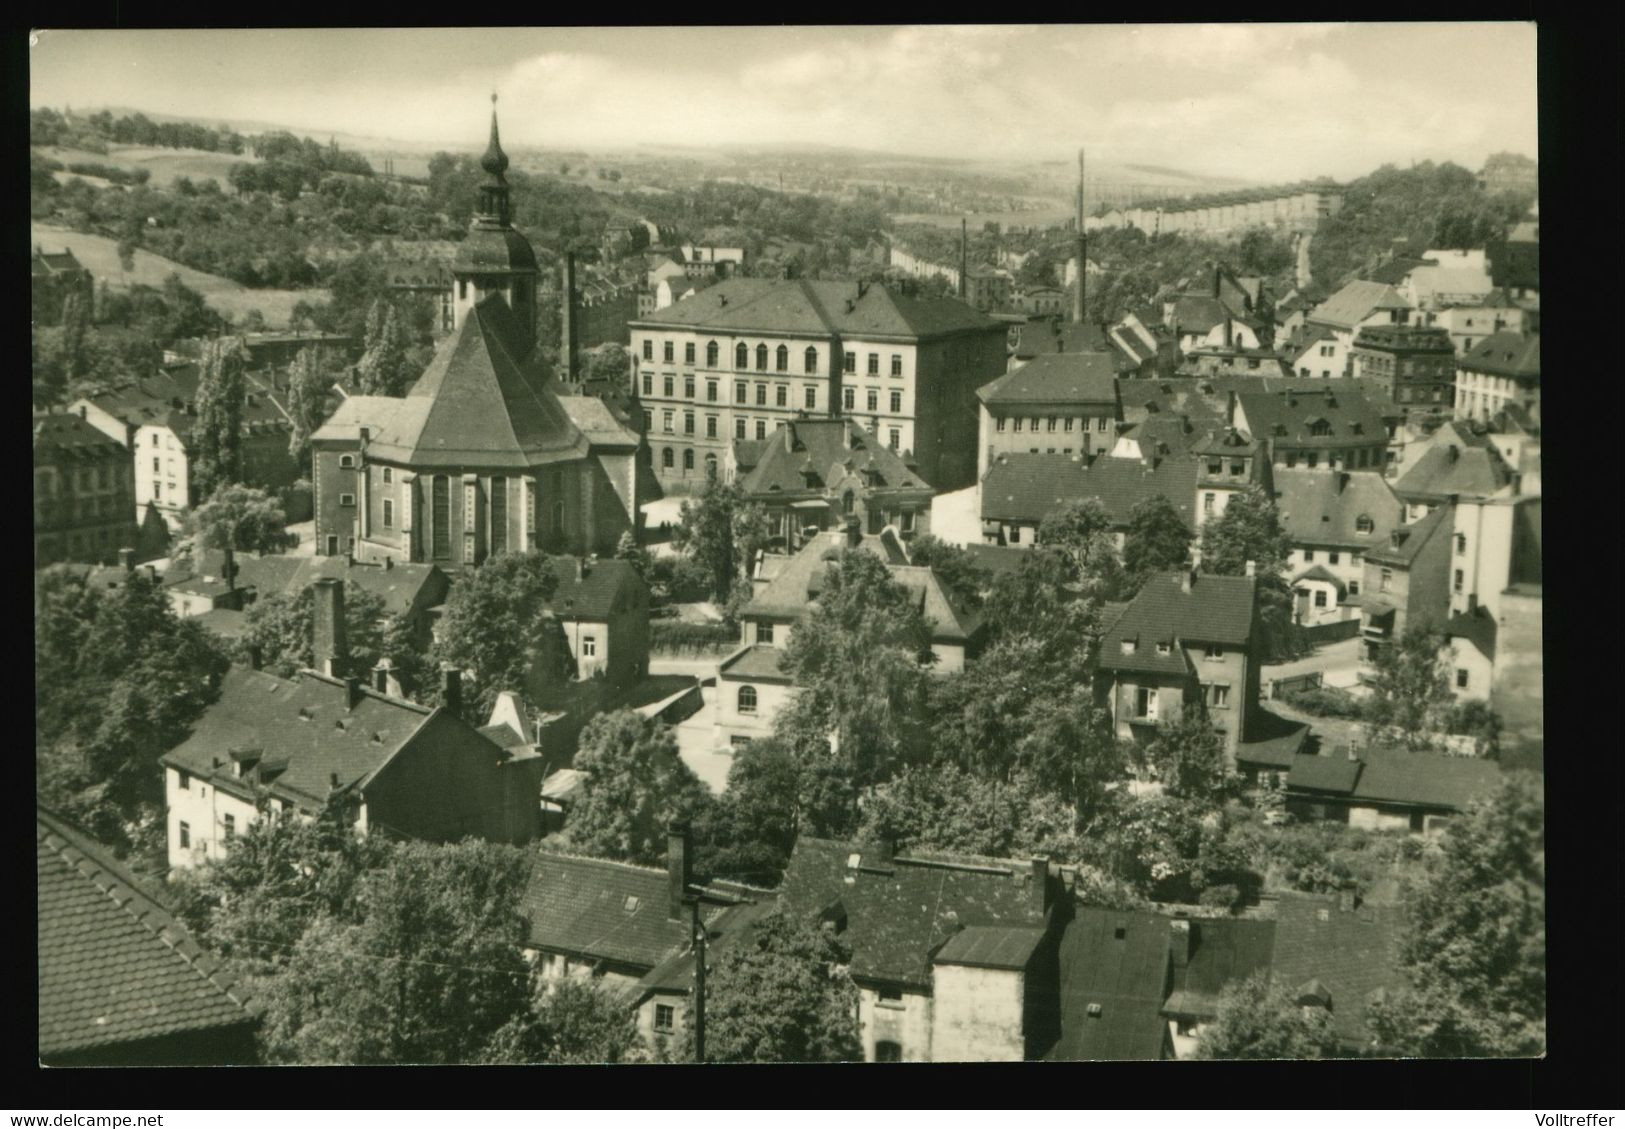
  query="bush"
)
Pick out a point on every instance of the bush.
point(1326, 701)
point(692, 636)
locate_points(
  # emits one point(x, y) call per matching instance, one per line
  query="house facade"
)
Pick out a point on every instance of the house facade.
point(1356, 306)
point(1057, 403)
point(1415, 366)
point(1333, 518)
point(1407, 581)
point(84, 500)
point(1500, 372)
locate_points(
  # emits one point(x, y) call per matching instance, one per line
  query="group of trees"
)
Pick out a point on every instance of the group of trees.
point(47, 126)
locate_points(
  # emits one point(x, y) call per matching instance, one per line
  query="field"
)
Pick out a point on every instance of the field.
point(164, 165)
point(100, 256)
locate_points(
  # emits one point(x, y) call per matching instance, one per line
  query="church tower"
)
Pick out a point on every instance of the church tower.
point(495, 258)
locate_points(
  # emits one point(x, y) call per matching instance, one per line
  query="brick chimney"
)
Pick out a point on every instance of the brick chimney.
point(352, 691)
point(126, 559)
point(1179, 942)
point(380, 675)
point(452, 688)
point(331, 649)
point(1251, 568)
point(679, 868)
point(1187, 579)
point(1040, 891)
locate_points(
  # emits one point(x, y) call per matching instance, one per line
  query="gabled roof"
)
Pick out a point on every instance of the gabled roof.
point(1030, 487)
point(1445, 469)
point(1217, 609)
point(823, 447)
point(1112, 987)
point(401, 587)
point(1411, 538)
point(1056, 378)
point(1324, 506)
point(1352, 953)
point(115, 966)
point(1431, 780)
point(1506, 354)
point(1355, 302)
point(61, 437)
point(1222, 952)
point(1290, 418)
point(819, 308)
point(306, 726)
point(1477, 627)
point(1335, 773)
point(992, 946)
point(591, 596)
point(756, 663)
point(1037, 338)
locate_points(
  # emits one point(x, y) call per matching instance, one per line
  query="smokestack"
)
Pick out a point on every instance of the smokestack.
point(452, 688)
point(964, 256)
point(230, 569)
point(679, 868)
point(329, 646)
point(568, 337)
point(1078, 305)
point(1252, 568)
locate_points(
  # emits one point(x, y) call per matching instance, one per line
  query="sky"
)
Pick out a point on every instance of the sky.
point(1257, 101)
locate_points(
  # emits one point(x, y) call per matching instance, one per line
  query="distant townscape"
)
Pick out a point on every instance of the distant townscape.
point(518, 613)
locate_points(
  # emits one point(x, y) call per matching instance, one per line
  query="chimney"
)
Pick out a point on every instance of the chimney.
point(854, 533)
point(567, 338)
point(964, 257)
point(256, 656)
point(1179, 942)
point(152, 573)
point(1342, 480)
point(584, 566)
point(679, 867)
point(1079, 305)
point(331, 651)
point(1453, 452)
point(1196, 558)
point(1215, 280)
point(1040, 892)
point(126, 559)
point(333, 781)
point(1354, 752)
point(789, 437)
point(1346, 900)
point(1472, 602)
point(380, 675)
point(452, 693)
point(1395, 538)
point(352, 691)
point(230, 569)
point(1252, 568)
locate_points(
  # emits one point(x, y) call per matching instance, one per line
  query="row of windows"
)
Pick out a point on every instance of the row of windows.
point(1032, 423)
point(780, 357)
point(228, 832)
point(1359, 458)
point(1334, 556)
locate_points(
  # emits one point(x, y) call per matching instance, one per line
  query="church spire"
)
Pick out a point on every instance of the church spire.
point(494, 192)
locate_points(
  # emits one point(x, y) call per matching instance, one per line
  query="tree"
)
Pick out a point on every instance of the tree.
point(749, 832)
point(1189, 756)
point(1473, 952)
point(576, 1021)
point(942, 807)
point(1157, 540)
point(75, 328)
point(608, 364)
point(1477, 720)
point(627, 549)
point(719, 530)
point(859, 658)
point(217, 435)
point(244, 518)
point(954, 566)
point(281, 627)
point(1250, 530)
point(308, 383)
point(779, 992)
point(636, 787)
point(429, 969)
point(1259, 1021)
point(1410, 690)
point(382, 370)
point(490, 619)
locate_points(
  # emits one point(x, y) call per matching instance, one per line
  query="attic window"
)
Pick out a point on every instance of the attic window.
point(1164, 648)
point(305, 713)
point(1094, 1011)
point(631, 903)
point(346, 461)
point(338, 723)
point(1120, 932)
point(1128, 646)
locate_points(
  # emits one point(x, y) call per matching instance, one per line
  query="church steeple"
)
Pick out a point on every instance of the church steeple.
point(494, 192)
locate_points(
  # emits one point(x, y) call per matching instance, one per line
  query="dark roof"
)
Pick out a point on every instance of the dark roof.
point(306, 726)
point(1397, 269)
point(401, 587)
point(1057, 378)
point(1506, 354)
point(56, 261)
point(592, 596)
point(1029, 487)
point(1121, 980)
point(997, 559)
point(1272, 740)
point(1431, 780)
point(1324, 506)
point(898, 912)
point(115, 966)
point(757, 663)
point(150, 399)
point(1037, 338)
point(992, 946)
point(1351, 952)
point(1222, 951)
point(1445, 469)
point(1289, 418)
point(1406, 339)
point(1410, 538)
point(1217, 609)
point(1476, 626)
point(748, 452)
point(1335, 773)
point(59, 437)
point(1355, 302)
point(806, 306)
point(811, 455)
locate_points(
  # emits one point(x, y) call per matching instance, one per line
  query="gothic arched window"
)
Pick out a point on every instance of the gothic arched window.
point(741, 356)
point(761, 358)
point(711, 355)
point(783, 359)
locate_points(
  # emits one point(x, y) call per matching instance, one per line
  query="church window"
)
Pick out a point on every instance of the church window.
point(389, 513)
point(741, 356)
point(345, 461)
point(782, 359)
point(440, 515)
point(499, 515)
point(810, 361)
point(761, 358)
point(711, 355)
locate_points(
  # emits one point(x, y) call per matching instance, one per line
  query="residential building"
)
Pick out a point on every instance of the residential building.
point(484, 453)
point(1340, 953)
point(989, 288)
point(1328, 427)
point(1206, 956)
point(1040, 301)
point(1225, 314)
point(953, 957)
point(1021, 490)
point(1455, 462)
point(299, 745)
point(1357, 305)
point(603, 607)
point(1114, 974)
point(121, 981)
point(1468, 323)
point(84, 502)
point(1502, 371)
point(1407, 581)
point(1188, 639)
point(1333, 518)
point(746, 355)
point(430, 279)
point(1058, 403)
point(1415, 366)
point(1290, 207)
point(279, 350)
point(54, 275)
point(1228, 462)
point(1515, 261)
point(1387, 789)
point(674, 289)
point(751, 683)
point(703, 259)
point(811, 475)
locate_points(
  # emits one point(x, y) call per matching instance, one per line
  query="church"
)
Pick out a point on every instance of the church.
point(486, 453)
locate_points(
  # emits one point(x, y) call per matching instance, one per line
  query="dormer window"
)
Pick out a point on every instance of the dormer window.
point(1164, 648)
point(1363, 524)
point(1320, 427)
point(1128, 646)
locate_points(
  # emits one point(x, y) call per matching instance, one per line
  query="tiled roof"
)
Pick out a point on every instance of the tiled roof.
point(1424, 779)
point(1324, 507)
point(823, 447)
point(1351, 952)
point(756, 663)
point(1445, 469)
point(748, 452)
point(1272, 740)
point(60, 437)
point(992, 946)
point(594, 419)
point(115, 966)
point(1355, 302)
point(1145, 399)
point(1029, 487)
point(151, 399)
point(306, 726)
point(1222, 952)
point(592, 596)
point(1506, 354)
point(805, 306)
point(1217, 609)
point(1198, 313)
point(1477, 627)
point(1037, 338)
point(1057, 378)
point(1335, 773)
point(1410, 538)
point(1112, 987)
point(723, 927)
point(1289, 418)
point(1397, 269)
point(401, 587)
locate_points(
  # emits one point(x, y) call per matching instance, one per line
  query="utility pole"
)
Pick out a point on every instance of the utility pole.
point(699, 982)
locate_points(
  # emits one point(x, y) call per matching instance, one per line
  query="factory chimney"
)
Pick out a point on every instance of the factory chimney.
point(567, 339)
point(1083, 251)
point(964, 256)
